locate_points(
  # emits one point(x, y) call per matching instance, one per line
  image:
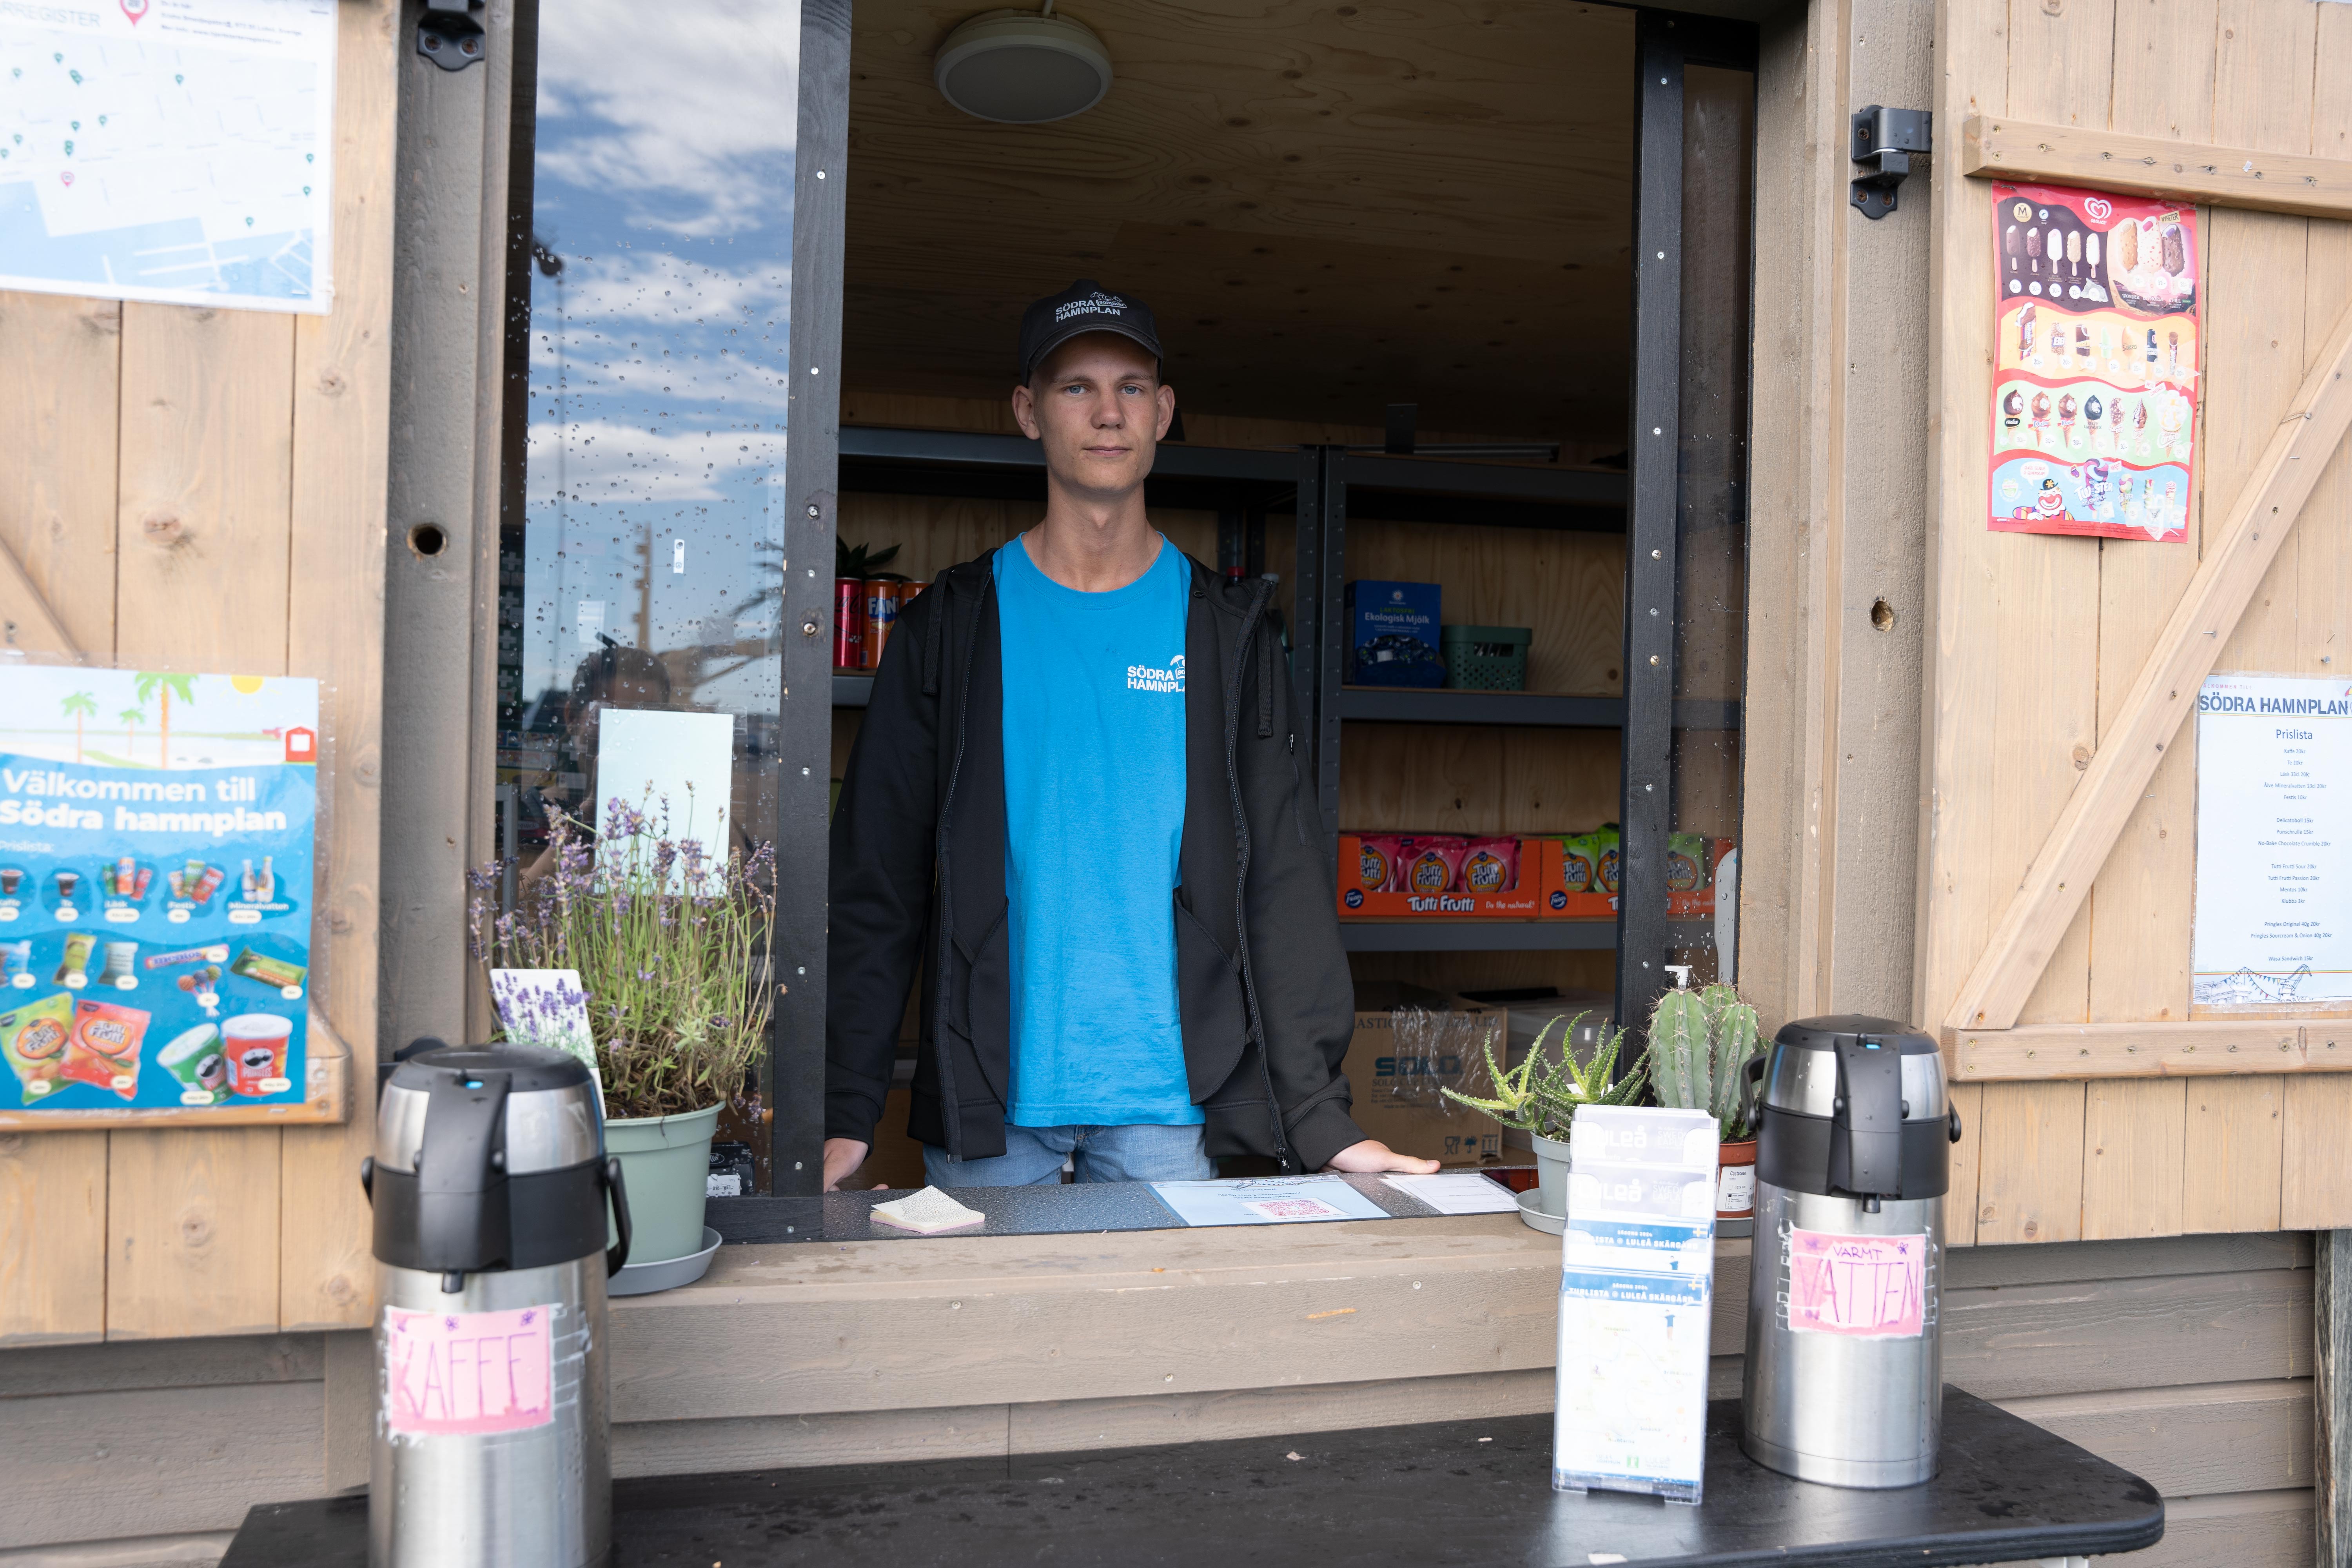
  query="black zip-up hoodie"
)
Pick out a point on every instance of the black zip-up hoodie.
point(917, 873)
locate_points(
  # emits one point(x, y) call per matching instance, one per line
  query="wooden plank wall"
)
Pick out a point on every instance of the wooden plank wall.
point(204, 489)
point(2036, 639)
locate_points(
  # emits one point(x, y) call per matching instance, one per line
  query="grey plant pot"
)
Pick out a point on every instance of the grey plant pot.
point(666, 1165)
point(1551, 1175)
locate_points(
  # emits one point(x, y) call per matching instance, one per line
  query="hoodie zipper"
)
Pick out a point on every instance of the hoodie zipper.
point(1250, 619)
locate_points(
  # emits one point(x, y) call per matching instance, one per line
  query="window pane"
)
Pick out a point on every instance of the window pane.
point(1711, 576)
point(649, 270)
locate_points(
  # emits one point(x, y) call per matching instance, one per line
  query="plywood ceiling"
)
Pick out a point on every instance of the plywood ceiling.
point(1330, 208)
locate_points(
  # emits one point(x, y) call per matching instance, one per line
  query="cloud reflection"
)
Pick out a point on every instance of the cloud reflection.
point(678, 107)
point(658, 356)
point(606, 462)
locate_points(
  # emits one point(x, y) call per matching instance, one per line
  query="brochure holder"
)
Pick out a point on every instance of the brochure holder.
point(1636, 1295)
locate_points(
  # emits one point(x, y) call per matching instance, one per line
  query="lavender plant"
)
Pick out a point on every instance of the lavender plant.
point(670, 944)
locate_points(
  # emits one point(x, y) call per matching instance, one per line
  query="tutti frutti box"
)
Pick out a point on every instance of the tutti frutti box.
point(1575, 888)
point(1364, 868)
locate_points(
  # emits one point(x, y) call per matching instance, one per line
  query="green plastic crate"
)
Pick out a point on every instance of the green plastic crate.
point(1486, 658)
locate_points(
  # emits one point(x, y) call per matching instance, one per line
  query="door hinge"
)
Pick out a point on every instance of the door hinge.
point(448, 35)
point(1888, 140)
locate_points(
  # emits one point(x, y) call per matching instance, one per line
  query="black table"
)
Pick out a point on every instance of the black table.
point(1454, 1493)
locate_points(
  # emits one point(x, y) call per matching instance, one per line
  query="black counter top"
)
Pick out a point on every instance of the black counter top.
point(1462, 1492)
point(1052, 1208)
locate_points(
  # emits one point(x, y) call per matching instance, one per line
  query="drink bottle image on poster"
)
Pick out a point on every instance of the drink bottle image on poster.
point(2095, 363)
point(156, 842)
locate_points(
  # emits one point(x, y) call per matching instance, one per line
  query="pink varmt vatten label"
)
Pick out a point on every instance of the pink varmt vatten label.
point(1870, 1286)
point(462, 1374)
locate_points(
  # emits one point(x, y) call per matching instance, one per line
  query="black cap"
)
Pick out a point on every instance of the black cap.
point(1085, 306)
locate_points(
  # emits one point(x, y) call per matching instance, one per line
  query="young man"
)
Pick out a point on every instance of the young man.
point(1077, 801)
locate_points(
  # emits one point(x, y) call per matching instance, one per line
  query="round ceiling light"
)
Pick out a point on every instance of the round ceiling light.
point(1023, 67)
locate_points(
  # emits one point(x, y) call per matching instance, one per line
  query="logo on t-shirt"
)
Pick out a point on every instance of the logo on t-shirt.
point(1143, 678)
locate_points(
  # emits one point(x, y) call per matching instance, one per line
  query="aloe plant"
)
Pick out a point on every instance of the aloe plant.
point(1543, 1093)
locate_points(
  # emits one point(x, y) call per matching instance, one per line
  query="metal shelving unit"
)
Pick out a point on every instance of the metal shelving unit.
point(1422, 705)
point(1329, 488)
point(1502, 936)
point(1348, 488)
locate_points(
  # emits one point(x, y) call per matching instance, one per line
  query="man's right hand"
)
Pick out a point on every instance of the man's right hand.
point(842, 1157)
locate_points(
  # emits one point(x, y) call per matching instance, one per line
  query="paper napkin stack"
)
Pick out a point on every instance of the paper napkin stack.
point(928, 1212)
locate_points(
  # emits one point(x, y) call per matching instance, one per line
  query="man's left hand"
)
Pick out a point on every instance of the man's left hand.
point(1372, 1157)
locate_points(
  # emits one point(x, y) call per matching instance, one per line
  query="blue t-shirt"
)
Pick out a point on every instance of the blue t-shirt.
point(1094, 817)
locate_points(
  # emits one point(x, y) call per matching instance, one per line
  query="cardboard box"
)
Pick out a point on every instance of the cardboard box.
point(1539, 872)
point(1396, 1081)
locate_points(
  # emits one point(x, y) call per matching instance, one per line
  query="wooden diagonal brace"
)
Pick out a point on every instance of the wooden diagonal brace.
point(2165, 694)
point(26, 622)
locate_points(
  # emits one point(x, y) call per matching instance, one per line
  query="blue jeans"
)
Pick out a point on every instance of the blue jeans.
point(1032, 1157)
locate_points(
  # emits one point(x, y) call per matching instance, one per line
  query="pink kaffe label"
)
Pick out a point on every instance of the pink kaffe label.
point(1870, 1286)
point(468, 1373)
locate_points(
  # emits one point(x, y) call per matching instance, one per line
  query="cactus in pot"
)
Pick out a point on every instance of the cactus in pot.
point(1700, 1045)
point(1737, 1039)
point(1679, 1061)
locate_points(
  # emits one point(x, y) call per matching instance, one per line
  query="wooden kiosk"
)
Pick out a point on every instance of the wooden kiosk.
point(1957, 762)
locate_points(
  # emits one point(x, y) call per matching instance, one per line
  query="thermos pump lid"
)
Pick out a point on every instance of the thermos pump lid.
point(489, 1158)
point(1824, 1034)
point(1855, 1107)
point(529, 1069)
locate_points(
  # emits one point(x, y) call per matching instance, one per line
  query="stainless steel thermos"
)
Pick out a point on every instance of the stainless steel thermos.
point(1844, 1371)
point(489, 1184)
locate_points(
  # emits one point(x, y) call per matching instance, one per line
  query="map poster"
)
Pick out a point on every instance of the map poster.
point(2095, 363)
point(156, 842)
point(2273, 924)
point(169, 151)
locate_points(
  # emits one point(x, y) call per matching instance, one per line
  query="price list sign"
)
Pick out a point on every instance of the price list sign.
point(2274, 842)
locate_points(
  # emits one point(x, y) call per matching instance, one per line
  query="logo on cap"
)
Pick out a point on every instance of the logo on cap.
point(1097, 304)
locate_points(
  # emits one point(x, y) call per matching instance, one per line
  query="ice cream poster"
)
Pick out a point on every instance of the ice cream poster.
point(156, 840)
point(2095, 362)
